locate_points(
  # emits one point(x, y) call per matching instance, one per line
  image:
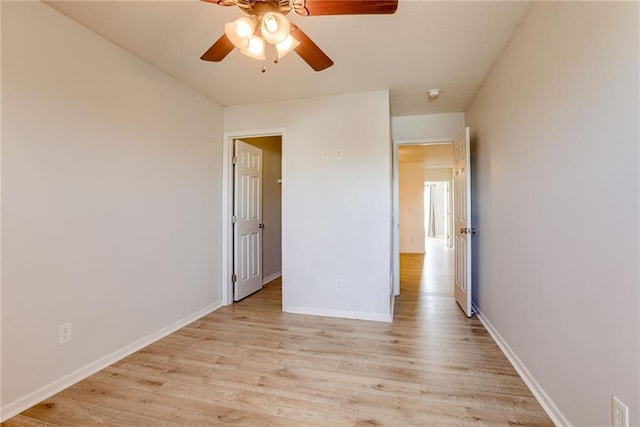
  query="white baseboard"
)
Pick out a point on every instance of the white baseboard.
point(14, 408)
point(274, 276)
point(543, 398)
point(378, 317)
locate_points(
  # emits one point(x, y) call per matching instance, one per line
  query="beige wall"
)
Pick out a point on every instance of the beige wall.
point(271, 204)
point(411, 206)
point(438, 174)
point(437, 160)
point(556, 203)
point(110, 202)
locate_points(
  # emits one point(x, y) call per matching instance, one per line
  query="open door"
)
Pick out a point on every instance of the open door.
point(462, 222)
point(247, 219)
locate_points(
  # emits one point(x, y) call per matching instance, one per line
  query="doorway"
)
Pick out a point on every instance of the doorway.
point(418, 163)
point(270, 145)
point(438, 205)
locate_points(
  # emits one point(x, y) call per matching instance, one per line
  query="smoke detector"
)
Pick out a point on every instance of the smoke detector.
point(433, 93)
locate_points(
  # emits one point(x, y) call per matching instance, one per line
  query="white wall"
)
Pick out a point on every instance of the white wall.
point(411, 206)
point(110, 202)
point(337, 212)
point(555, 167)
point(426, 126)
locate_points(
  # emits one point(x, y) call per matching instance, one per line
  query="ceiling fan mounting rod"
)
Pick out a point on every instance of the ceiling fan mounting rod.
point(253, 7)
point(261, 7)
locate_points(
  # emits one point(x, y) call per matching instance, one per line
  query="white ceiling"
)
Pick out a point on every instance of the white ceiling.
point(425, 44)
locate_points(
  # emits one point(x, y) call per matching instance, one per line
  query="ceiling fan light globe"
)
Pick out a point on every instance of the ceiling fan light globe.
point(255, 49)
point(275, 27)
point(240, 31)
point(271, 23)
point(286, 46)
point(243, 31)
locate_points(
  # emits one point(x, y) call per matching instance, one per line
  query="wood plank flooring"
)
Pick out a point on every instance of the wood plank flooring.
point(249, 364)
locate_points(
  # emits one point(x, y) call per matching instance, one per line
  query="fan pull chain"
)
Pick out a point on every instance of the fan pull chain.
point(276, 57)
point(264, 67)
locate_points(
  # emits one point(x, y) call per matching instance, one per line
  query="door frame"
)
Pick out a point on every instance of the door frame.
point(395, 229)
point(227, 206)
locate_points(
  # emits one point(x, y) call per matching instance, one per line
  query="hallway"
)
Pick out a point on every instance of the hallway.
point(433, 271)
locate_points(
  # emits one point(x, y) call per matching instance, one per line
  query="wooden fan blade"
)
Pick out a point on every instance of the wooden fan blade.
point(349, 7)
point(218, 50)
point(310, 52)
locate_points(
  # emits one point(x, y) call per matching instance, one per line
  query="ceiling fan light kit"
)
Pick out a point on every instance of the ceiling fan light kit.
point(267, 23)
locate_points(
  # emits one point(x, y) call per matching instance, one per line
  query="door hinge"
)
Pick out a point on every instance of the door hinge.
point(234, 219)
point(234, 160)
point(234, 278)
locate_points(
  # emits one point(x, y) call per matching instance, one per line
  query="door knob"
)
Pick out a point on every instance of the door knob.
point(261, 226)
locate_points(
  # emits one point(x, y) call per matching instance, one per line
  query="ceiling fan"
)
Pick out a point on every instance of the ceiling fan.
point(266, 24)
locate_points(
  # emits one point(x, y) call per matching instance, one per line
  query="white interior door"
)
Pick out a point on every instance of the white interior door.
point(462, 221)
point(247, 229)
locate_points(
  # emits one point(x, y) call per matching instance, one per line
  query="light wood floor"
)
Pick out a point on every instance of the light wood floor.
point(250, 364)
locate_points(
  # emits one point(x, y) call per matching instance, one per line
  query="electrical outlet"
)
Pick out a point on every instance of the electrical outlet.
point(64, 333)
point(339, 284)
point(620, 413)
point(338, 154)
